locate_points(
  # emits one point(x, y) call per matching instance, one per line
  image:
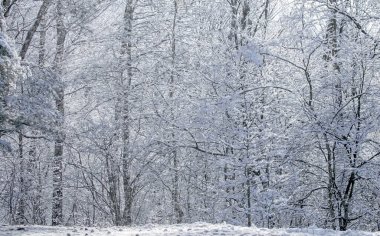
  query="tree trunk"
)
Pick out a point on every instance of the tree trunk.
point(20, 214)
point(233, 36)
point(38, 212)
point(178, 213)
point(339, 202)
point(23, 180)
point(57, 208)
point(113, 189)
point(29, 36)
point(126, 81)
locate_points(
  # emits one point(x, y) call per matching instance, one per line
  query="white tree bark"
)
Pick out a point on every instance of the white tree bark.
point(57, 208)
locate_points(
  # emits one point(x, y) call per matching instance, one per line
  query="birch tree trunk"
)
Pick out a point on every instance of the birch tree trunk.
point(20, 214)
point(178, 213)
point(229, 172)
point(331, 56)
point(3, 83)
point(57, 208)
point(339, 197)
point(126, 80)
point(38, 211)
point(113, 190)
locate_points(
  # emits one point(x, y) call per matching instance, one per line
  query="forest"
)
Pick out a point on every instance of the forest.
point(258, 113)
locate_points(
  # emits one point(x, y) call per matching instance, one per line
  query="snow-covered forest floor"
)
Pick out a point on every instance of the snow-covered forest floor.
point(201, 229)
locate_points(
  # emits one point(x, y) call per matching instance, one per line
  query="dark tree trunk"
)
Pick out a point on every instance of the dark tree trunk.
point(29, 36)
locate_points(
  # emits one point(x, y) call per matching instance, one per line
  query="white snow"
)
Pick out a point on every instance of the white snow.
point(201, 229)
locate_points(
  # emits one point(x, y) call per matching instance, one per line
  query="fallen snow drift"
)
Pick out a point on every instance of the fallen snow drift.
point(201, 229)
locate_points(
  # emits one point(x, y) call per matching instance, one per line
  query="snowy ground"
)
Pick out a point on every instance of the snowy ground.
point(201, 229)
